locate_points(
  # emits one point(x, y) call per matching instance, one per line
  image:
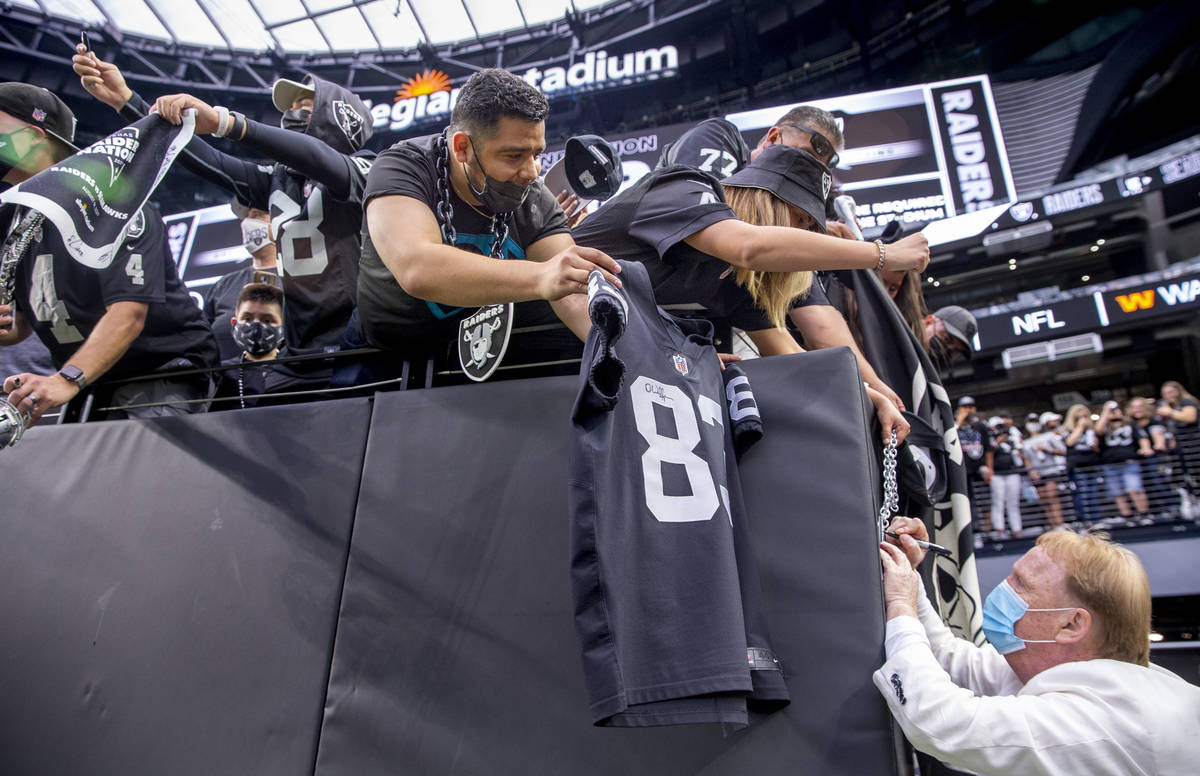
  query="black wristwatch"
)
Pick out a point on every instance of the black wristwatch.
point(73, 374)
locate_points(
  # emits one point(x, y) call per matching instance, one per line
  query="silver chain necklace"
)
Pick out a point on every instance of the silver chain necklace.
point(444, 210)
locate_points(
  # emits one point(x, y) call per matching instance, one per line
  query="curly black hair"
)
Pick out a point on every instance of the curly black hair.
point(491, 93)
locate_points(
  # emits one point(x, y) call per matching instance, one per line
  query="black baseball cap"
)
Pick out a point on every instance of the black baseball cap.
point(797, 177)
point(39, 107)
point(593, 167)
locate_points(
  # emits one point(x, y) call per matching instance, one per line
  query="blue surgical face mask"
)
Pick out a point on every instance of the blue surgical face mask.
point(1001, 610)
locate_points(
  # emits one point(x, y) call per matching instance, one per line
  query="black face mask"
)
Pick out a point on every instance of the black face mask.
point(257, 338)
point(295, 120)
point(497, 196)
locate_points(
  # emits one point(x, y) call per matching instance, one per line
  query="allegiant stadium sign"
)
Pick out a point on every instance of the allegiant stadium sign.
point(597, 70)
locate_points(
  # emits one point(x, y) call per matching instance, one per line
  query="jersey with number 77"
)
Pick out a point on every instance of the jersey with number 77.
point(667, 601)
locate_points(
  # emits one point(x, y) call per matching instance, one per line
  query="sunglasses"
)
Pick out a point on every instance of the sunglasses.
point(820, 143)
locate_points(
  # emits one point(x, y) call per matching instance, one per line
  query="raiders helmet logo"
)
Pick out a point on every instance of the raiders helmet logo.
point(826, 185)
point(136, 226)
point(483, 339)
point(349, 120)
point(1022, 211)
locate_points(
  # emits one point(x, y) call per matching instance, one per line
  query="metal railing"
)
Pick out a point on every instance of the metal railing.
point(1170, 484)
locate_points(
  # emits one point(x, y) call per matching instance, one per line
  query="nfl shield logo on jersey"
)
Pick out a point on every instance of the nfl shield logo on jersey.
point(681, 365)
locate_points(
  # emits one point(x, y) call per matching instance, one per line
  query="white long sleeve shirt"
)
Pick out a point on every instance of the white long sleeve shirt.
point(963, 705)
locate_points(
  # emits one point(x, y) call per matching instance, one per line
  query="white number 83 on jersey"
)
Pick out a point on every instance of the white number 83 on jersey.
point(702, 502)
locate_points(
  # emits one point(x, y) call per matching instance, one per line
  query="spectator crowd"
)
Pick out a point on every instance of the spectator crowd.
point(1117, 464)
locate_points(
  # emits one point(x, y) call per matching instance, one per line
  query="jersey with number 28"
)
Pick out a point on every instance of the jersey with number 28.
point(667, 600)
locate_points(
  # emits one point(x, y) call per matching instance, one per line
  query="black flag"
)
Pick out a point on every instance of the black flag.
point(94, 198)
point(893, 350)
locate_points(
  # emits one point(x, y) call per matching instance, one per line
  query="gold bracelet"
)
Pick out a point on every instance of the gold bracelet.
point(882, 255)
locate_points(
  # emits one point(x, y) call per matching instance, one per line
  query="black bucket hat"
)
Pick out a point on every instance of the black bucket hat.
point(593, 167)
point(40, 107)
point(797, 177)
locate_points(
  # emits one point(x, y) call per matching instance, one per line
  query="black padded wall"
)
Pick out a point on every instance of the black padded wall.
point(169, 590)
point(381, 586)
point(455, 650)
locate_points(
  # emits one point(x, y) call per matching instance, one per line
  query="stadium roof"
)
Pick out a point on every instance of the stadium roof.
point(309, 26)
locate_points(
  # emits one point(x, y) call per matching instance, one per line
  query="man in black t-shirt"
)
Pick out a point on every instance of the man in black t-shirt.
point(441, 209)
point(132, 318)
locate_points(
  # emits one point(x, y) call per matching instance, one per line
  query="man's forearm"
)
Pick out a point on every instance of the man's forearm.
point(451, 276)
point(309, 156)
point(573, 312)
point(110, 339)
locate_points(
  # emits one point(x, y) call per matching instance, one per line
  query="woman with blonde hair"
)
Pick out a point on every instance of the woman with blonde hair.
point(1180, 411)
point(739, 250)
point(1083, 456)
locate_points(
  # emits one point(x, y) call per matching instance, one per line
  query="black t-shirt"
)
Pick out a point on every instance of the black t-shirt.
point(976, 441)
point(64, 300)
point(1005, 456)
point(1121, 442)
point(648, 223)
point(256, 381)
point(388, 316)
point(1083, 452)
point(714, 146)
point(661, 560)
point(1187, 435)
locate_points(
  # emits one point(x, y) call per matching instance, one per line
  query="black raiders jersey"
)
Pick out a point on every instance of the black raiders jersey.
point(319, 240)
point(714, 146)
point(667, 600)
point(63, 300)
point(649, 223)
point(317, 229)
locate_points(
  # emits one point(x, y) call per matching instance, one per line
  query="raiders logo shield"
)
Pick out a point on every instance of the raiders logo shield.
point(1022, 211)
point(826, 185)
point(349, 120)
point(483, 340)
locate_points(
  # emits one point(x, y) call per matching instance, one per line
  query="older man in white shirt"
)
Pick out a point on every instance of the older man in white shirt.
point(1065, 686)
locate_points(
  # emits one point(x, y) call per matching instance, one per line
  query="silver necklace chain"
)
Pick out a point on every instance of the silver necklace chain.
point(444, 210)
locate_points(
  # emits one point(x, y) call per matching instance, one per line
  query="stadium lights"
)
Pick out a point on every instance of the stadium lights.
point(1085, 278)
point(1100, 241)
point(1156, 636)
point(1094, 248)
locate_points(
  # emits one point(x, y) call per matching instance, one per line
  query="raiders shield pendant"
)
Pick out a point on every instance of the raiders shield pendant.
point(483, 340)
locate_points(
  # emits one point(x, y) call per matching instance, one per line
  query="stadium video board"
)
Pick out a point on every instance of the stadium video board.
point(914, 154)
